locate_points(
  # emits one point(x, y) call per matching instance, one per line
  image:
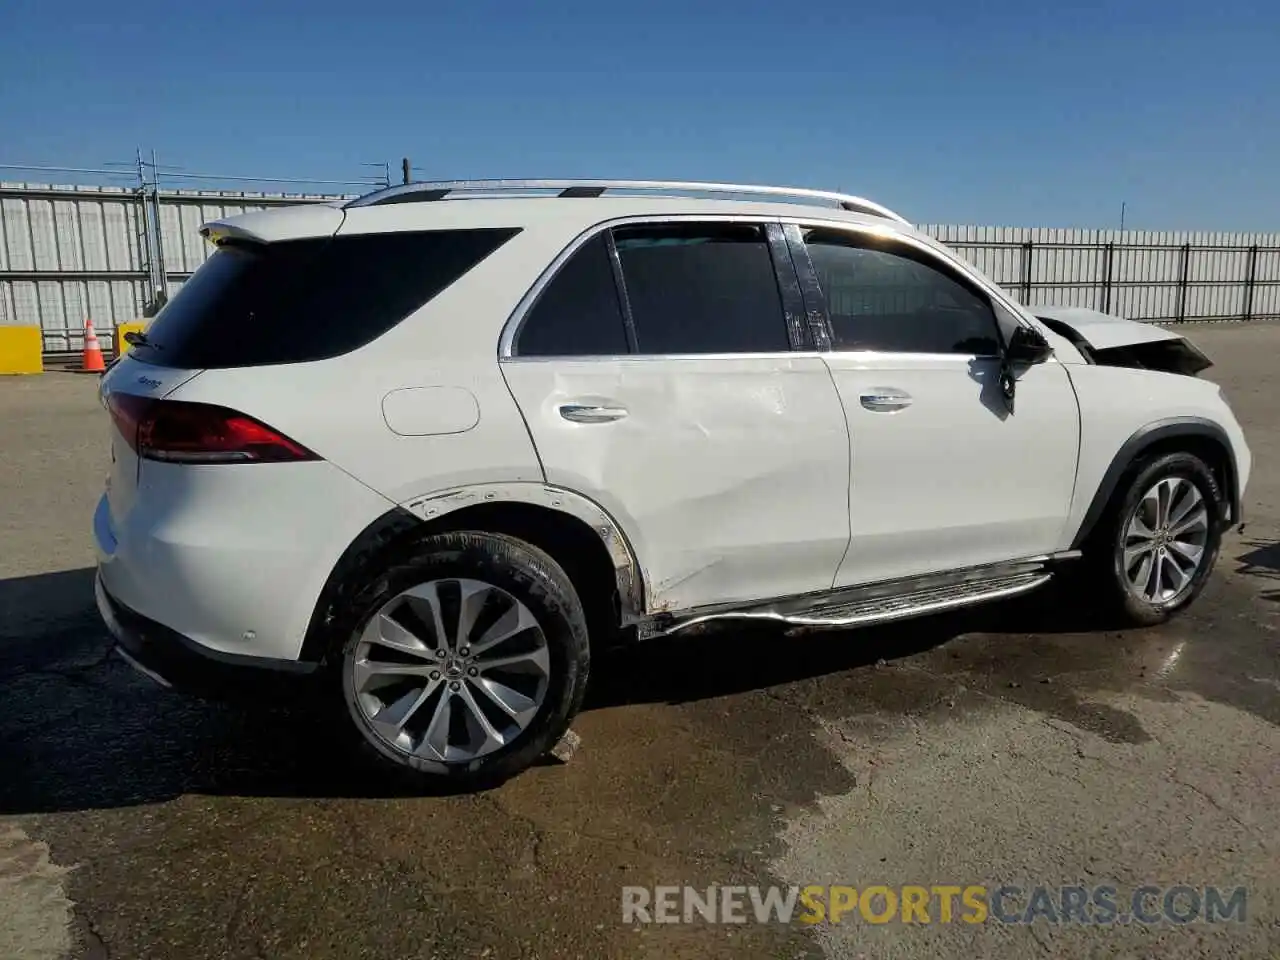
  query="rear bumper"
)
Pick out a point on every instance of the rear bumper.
point(230, 557)
point(179, 663)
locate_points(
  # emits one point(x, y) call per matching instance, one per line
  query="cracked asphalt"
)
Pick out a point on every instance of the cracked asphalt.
point(1020, 743)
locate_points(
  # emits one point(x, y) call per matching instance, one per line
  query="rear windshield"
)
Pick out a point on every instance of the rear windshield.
point(300, 300)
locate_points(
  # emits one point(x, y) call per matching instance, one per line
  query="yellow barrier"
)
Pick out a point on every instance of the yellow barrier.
point(120, 346)
point(21, 350)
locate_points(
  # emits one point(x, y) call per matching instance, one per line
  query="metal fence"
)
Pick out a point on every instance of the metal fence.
point(106, 253)
point(1161, 277)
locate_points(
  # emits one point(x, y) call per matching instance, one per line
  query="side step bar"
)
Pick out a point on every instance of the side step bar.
point(840, 610)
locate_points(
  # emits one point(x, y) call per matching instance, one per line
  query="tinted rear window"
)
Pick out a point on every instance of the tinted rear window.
point(578, 314)
point(702, 288)
point(301, 300)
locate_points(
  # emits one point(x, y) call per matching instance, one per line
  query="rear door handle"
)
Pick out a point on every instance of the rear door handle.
point(885, 400)
point(590, 413)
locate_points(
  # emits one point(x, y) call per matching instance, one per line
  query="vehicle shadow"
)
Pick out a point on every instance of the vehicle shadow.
point(739, 657)
point(79, 729)
point(1262, 562)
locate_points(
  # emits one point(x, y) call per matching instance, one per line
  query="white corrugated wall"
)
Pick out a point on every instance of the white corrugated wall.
point(71, 253)
point(63, 260)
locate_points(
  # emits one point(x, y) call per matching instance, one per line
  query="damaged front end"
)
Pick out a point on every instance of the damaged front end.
point(1112, 341)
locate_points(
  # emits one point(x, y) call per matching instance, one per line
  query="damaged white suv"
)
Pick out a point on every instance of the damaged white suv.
point(432, 446)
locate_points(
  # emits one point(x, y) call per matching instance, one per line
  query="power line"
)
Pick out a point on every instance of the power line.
point(36, 168)
point(213, 176)
point(172, 174)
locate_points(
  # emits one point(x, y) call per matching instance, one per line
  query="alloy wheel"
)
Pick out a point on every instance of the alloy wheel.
point(450, 670)
point(1165, 540)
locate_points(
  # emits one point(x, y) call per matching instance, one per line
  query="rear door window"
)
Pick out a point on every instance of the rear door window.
point(302, 300)
point(702, 288)
point(578, 314)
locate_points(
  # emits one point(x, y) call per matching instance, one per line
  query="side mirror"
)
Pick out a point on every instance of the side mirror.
point(1028, 346)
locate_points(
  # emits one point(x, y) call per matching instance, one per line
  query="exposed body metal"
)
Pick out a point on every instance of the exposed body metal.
point(627, 571)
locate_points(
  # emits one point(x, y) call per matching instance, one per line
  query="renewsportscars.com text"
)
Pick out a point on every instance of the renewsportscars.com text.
point(1101, 905)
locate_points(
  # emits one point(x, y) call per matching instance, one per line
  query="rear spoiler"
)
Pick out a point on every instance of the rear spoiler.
point(283, 223)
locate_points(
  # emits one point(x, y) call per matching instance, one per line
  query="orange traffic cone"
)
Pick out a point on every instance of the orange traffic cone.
point(93, 362)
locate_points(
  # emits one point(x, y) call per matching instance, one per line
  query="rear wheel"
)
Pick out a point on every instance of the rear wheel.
point(468, 660)
point(1160, 542)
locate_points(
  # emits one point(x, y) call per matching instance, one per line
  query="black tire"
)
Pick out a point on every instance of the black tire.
point(527, 574)
point(1104, 554)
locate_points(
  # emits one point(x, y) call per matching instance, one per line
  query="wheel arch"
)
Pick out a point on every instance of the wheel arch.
point(1195, 435)
point(579, 534)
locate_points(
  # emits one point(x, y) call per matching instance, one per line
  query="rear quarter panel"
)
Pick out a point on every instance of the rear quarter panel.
point(444, 355)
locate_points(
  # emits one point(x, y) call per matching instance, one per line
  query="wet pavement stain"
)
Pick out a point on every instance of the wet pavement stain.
point(204, 830)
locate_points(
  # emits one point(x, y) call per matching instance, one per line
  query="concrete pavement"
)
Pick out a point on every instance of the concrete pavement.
point(1014, 744)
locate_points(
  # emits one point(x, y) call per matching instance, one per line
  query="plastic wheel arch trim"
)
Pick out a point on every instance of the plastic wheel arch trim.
point(1141, 440)
point(628, 574)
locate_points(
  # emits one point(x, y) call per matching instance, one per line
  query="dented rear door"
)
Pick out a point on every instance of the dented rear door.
point(676, 401)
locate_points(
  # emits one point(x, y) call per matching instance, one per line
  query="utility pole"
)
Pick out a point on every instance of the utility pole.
point(404, 169)
point(155, 199)
point(1122, 206)
point(146, 239)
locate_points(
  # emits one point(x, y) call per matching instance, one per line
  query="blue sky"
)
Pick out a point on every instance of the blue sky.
point(991, 112)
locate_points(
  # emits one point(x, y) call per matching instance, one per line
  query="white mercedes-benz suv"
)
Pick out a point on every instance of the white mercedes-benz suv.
point(430, 447)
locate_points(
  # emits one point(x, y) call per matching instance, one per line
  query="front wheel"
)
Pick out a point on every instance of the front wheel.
point(468, 660)
point(1158, 546)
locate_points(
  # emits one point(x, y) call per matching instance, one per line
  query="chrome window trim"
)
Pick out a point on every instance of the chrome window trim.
point(868, 355)
point(511, 327)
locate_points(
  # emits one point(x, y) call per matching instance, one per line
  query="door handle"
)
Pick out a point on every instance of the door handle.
point(882, 400)
point(589, 413)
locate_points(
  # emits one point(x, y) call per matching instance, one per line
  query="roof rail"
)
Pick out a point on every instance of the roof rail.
point(430, 190)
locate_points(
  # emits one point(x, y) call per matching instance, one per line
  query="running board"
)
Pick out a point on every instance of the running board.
point(918, 599)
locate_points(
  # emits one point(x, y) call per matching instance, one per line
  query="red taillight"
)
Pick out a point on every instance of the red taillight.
point(181, 432)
